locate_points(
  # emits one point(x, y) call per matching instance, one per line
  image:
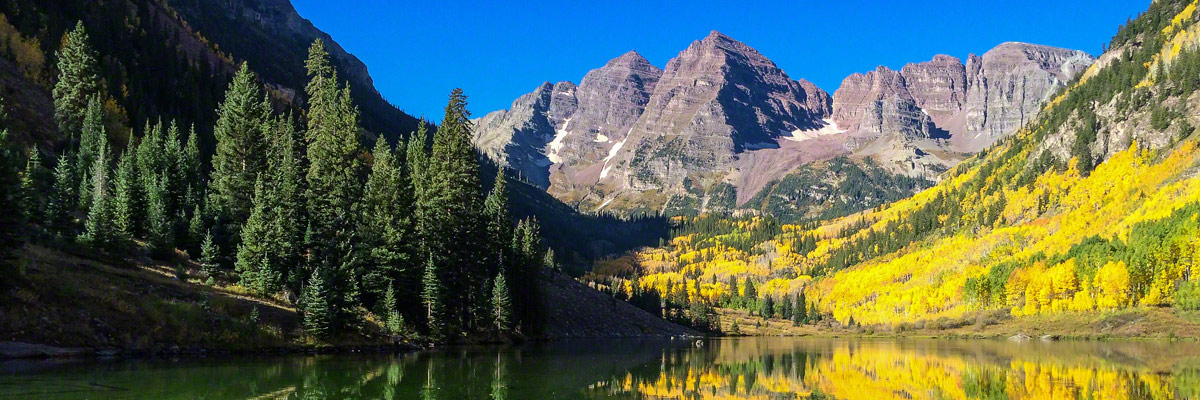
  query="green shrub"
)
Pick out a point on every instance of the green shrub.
point(1188, 296)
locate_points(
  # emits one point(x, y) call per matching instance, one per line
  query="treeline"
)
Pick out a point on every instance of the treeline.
point(289, 206)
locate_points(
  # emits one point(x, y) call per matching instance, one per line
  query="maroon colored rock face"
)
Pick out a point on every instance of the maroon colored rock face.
point(634, 137)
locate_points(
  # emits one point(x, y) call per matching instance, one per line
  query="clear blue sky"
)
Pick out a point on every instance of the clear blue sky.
point(418, 51)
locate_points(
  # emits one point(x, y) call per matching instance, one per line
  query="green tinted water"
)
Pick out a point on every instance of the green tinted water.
point(751, 368)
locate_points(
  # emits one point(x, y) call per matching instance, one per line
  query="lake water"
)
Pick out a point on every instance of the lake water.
point(748, 368)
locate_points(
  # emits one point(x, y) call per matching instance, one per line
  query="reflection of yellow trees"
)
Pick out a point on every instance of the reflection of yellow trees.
point(894, 371)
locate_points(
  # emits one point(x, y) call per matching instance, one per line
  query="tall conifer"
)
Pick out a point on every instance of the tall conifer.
point(77, 81)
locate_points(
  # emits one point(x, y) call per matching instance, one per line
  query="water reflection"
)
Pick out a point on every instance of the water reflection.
point(755, 368)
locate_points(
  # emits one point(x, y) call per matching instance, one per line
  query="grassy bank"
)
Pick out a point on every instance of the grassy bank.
point(1134, 323)
point(76, 300)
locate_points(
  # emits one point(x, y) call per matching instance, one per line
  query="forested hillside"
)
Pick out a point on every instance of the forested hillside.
point(290, 212)
point(1092, 209)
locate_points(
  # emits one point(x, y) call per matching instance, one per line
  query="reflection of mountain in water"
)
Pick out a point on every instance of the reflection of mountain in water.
point(752, 368)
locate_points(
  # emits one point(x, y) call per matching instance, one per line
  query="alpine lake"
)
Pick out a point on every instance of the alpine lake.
point(718, 368)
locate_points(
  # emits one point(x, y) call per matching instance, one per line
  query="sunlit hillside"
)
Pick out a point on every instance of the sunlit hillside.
point(1092, 207)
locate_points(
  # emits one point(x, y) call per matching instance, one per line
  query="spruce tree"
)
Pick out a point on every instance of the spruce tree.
point(126, 191)
point(160, 227)
point(196, 232)
point(100, 228)
point(332, 178)
point(77, 81)
point(209, 256)
point(92, 137)
point(61, 203)
point(432, 294)
point(501, 304)
point(802, 309)
point(394, 322)
point(241, 150)
point(32, 183)
point(495, 210)
point(383, 223)
point(253, 264)
point(286, 200)
point(318, 312)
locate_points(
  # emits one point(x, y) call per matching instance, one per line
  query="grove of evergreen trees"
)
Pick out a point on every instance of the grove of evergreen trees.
point(290, 206)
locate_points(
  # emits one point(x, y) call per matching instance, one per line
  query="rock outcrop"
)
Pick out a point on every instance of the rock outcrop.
point(945, 107)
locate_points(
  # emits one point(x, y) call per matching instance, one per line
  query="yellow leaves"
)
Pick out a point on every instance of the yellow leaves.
point(1112, 282)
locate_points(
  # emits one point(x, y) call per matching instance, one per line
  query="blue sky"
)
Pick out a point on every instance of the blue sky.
point(418, 51)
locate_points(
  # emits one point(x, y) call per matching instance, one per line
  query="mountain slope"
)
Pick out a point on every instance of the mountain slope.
point(175, 58)
point(1091, 208)
point(722, 128)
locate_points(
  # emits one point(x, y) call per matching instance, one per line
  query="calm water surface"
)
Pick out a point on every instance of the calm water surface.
point(752, 368)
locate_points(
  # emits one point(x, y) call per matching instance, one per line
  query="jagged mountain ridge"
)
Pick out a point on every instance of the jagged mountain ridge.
point(721, 118)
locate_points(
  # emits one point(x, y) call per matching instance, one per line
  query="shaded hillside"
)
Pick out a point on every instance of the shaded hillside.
point(274, 39)
point(1091, 208)
point(174, 59)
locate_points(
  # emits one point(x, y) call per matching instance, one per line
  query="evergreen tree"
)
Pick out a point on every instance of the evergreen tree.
point(196, 232)
point(766, 308)
point(61, 202)
point(501, 304)
point(77, 81)
point(383, 227)
point(333, 178)
point(495, 210)
point(457, 235)
point(126, 191)
point(100, 228)
point(318, 312)
point(160, 227)
point(394, 322)
point(209, 255)
point(432, 294)
point(801, 309)
point(32, 204)
point(92, 138)
point(253, 264)
point(241, 149)
point(286, 201)
point(193, 169)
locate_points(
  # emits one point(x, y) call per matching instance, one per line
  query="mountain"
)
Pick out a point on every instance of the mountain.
point(174, 59)
point(1086, 216)
point(723, 128)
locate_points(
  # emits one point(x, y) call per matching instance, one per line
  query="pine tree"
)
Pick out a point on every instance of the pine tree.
point(457, 235)
point(196, 232)
point(77, 81)
point(100, 227)
point(286, 200)
point(61, 202)
point(802, 311)
point(241, 149)
point(209, 255)
point(501, 304)
point(253, 255)
point(92, 137)
point(495, 210)
point(160, 227)
point(394, 322)
point(318, 312)
point(333, 178)
point(32, 204)
point(192, 167)
point(383, 227)
point(432, 294)
point(126, 191)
